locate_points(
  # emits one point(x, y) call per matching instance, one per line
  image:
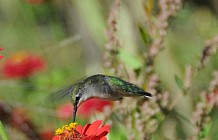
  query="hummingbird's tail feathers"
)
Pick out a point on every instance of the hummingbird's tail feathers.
point(146, 94)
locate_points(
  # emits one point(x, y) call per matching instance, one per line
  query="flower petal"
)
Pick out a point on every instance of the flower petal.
point(90, 106)
point(103, 130)
point(86, 138)
point(85, 128)
point(98, 138)
point(93, 129)
point(64, 111)
point(103, 138)
point(79, 128)
point(56, 138)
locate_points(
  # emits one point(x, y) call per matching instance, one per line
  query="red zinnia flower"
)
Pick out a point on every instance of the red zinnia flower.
point(86, 109)
point(46, 135)
point(1, 56)
point(92, 131)
point(22, 65)
point(65, 111)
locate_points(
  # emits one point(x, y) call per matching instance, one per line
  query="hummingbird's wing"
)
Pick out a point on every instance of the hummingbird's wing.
point(100, 90)
point(64, 92)
point(60, 94)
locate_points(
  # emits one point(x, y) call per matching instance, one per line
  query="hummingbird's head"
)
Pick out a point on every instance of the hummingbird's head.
point(76, 94)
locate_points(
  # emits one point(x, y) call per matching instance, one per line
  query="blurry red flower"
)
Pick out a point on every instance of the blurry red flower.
point(22, 65)
point(86, 109)
point(94, 131)
point(64, 111)
point(46, 135)
point(1, 56)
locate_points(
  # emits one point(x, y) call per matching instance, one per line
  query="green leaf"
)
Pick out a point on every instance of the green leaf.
point(144, 35)
point(179, 82)
point(206, 130)
point(2, 132)
point(129, 59)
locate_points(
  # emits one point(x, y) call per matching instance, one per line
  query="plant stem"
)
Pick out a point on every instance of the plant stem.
point(3, 134)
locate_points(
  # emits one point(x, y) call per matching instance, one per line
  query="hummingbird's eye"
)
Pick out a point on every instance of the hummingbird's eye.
point(77, 98)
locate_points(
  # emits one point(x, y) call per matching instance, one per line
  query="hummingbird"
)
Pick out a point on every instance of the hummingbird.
point(103, 87)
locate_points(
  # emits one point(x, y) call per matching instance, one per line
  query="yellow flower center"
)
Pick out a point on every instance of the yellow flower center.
point(19, 57)
point(71, 127)
point(58, 131)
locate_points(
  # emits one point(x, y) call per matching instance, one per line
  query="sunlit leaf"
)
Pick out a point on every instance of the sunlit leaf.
point(144, 35)
point(130, 60)
point(179, 82)
point(205, 132)
point(3, 134)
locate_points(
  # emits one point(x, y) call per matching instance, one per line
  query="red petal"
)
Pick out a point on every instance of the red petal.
point(103, 138)
point(64, 111)
point(102, 132)
point(93, 129)
point(98, 138)
point(56, 138)
point(46, 135)
point(87, 108)
point(103, 129)
point(87, 138)
point(79, 128)
point(85, 128)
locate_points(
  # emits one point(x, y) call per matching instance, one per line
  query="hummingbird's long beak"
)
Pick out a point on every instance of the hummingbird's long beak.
point(75, 106)
point(74, 112)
